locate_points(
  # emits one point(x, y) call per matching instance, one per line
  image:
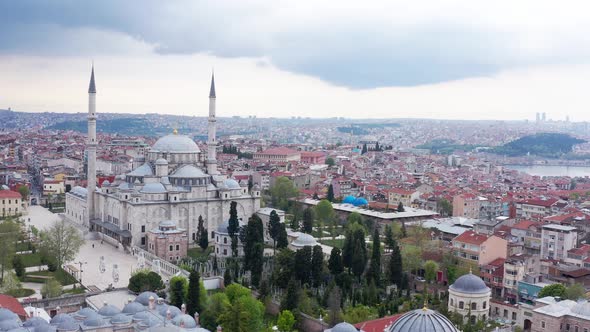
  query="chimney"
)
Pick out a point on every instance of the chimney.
point(160, 300)
point(152, 303)
point(183, 308)
point(197, 318)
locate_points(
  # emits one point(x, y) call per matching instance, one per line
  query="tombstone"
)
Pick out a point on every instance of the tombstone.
point(101, 265)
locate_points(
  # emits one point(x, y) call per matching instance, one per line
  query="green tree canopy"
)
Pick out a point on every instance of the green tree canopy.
point(286, 321)
point(145, 280)
point(178, 287)
point(374, 273)
point(274, 227)
point(281, 192)
point(9, 231)
point(193, 294)
point(430, 269)
point(335, 262)
point(24, 191)
point(218, 304)
point(52, 288)
point(317, 265)
point(202, 235)
point(330, 195)
point(233, 227)
point(308, 217)
point(552, 290)
point(61, 241)
point(575, 292)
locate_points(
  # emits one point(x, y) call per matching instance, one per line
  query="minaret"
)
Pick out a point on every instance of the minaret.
point(211, 141)
point(91, 149)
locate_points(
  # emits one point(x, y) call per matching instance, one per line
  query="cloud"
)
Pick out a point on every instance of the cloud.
point(353, 44)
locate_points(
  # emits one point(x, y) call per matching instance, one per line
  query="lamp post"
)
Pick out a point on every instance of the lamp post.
point(81, 263)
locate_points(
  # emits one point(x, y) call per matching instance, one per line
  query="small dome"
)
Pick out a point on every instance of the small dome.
point(79, 191)
point(422, 320)
point(304, 240)
point(10, 324)
point(176, 143)
point(45, 328)
point(85, 313)
point(582, 308)
point(188, 320)
point(349, 199)
point(35, 322)
point(108, 310)
point(143, 170)
point(60, 318)
point(68, 326)
point(167, 223)
point(161, 161)
point(150, 322)
point(144, 298)
point(121, 319)
point(133, 307)
point(174, 311)
point(188, 171)
point(343, 327)
point(231, 184)
point(469, 283)
point(20, 329)
point(154, 188)
point(7, 314)
point(360, 202)
point(94, 322)
point(106, 183)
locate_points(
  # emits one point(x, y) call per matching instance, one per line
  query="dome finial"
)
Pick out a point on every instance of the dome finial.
point(175, 131)
point(470, 270)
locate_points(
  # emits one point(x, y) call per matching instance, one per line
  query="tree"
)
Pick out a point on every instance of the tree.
point(325, 213)
point(284, 268)
point(61, 241)
point(335, 262)
point(254, 248)
point(282, 240)
point(233, 227)
point(178, 286)
point(359, 255)
point(552, 290)
point(282, 191)
point(374, 272)
point(24, 192)
point(411, 258)
point(364, 150)
point(227, 277)
point(334, 311)
point(575, 292)
point(400, 207)
point(9, 231)
point(395, 270)
point(317, 265)
point(430, 269)
point(354, 218)
point(291, 299)
point(19, 267)
point(52, 288)
point(245, 313)
point(144, 280)
point(389, 239)
point(286, 321)
point(347, 249)
point(308, 220)
point(302, 264)
point(330, 195)
point(445, 207)
point(193, 294)
point(218, 304)
point(274, 225)
point(330, 161)
point(202, 235)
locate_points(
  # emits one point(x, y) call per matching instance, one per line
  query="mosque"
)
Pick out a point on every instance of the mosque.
point(174, 182)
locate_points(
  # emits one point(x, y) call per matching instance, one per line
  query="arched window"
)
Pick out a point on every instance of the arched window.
point(461, 304)
point(452, 302)
point(484, 304)
point(473, 306)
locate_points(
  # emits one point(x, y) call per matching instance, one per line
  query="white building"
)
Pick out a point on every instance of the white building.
point(167, 184)
point(556, 240)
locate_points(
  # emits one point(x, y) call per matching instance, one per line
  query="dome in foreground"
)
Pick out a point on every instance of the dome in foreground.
point(471, 284)
point(176, 143)
point(422, 320)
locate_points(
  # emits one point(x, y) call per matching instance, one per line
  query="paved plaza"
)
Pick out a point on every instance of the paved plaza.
point(90, 254)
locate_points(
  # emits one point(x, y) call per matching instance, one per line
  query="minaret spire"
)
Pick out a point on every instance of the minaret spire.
point(91, 144)
point(212, 129)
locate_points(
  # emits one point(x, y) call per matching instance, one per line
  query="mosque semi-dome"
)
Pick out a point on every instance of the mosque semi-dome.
point(422, 320)
point(470, 284)
point(176, 143)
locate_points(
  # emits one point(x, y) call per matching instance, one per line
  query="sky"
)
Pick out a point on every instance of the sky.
point(453, 59)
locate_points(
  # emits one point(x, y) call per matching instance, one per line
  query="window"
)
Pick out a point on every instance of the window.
point(452, 302)
point(194, 236)
point(543, 324)
point(177, 248)
point(461, 304)
point(514, 316)
point(212, 235)
point(143, 240)
point(171, 248)
point(224, 252)
point(473, 306)
point(505, 313)
point(225, 240)
point(143, 228)
point(484, 304)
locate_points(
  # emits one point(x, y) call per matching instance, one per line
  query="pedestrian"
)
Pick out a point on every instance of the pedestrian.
point(93, 245)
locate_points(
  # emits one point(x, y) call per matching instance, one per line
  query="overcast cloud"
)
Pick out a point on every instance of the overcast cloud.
point(358, 48)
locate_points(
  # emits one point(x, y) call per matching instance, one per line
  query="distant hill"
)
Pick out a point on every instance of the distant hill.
point(548, 145)
point(445, 146)
point(126, 126)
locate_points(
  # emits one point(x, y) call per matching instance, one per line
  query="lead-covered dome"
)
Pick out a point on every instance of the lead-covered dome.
point(343, 327)
point(422, 320)
point(471, 284)
point(304, 240)
point(176, 143)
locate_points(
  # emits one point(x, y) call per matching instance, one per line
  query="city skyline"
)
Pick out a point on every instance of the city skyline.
point(458, 61)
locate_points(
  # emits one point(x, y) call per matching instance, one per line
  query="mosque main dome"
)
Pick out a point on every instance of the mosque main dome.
point(176, 143)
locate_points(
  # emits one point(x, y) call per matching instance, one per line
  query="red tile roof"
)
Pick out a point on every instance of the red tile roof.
point(525, 224)
point(377, 324)
point(13, 305)
point(471, 237)
point(9, 194)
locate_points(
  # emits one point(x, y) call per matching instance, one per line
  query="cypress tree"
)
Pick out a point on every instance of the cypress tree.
point(227, 276)
point(274, 227)
point(193, 295)
point(291, 299)
point(347, 250)
point(308, 221)
point(400, 207)
point(335, 262)
point(254, 248)
point(317, 264)
point(282, 240)
point(375, 267)
point(395, 271)
point(302, 264)
point(233, 227)
point(330, 195)
point(202, 235)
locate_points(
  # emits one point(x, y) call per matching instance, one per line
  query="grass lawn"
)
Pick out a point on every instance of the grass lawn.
point(338, 243)
point(21, 292)
point(200, 254)
point(60, 275)
point(31, 259)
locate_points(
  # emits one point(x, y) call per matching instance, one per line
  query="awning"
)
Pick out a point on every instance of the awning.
point(112, 227)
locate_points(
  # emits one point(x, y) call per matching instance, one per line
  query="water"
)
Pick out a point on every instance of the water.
point(547, 170)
